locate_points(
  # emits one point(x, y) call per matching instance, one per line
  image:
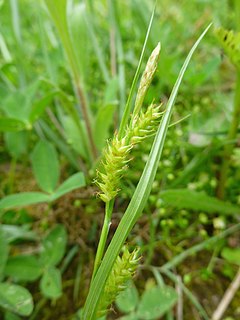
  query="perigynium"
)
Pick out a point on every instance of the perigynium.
point(123, 270)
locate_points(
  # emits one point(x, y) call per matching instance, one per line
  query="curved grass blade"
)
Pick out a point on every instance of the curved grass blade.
point(137, 202)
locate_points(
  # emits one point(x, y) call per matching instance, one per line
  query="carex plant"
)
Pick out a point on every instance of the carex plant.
point(115, 264)
point(116, 157)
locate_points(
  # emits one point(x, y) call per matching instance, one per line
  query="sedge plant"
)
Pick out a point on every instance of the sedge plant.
point(115, 160)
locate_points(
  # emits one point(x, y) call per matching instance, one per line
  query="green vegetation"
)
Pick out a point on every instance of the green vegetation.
point(119, 160)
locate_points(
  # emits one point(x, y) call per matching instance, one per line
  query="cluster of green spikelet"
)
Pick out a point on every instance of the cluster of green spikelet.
point(117, 154)
point(143, 124)
point(123, 270)
point(116, 158)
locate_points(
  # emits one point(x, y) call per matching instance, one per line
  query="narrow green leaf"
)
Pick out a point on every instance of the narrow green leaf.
point(4, 250)
point(53, 247)
point(193, 200)
point(80, 37)
point(137, 202)
point(39, 107)
point(155, 302)
point(16, 299)
point(45, 165)
point(22, 199)
point(16, 143)
point(23, 268)
point(74, 182)
point(51, 283)
point(10, 124)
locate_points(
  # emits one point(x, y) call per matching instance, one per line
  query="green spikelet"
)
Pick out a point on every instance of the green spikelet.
point(123, 270)
point(147, 77)
point(115, 159)
point(116, 155)
point(230, 42)
point(144, 124)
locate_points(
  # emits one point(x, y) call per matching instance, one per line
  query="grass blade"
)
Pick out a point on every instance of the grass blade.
point(137, 202)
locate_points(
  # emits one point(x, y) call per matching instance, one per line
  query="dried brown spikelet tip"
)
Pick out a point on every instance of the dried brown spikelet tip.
point(147, 77)
point(123, 270)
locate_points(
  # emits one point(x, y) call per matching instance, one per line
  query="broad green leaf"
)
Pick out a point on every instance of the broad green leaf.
point(51, 283)
point(74, 182)
point(16, 299)
point(23, 268)
point(102, 124)
point(45, 165)
point(12, 233)
point(53, 247)
point(11, 316)
point(232, 255)
point(10, 124)
point(22, 199)
point(138, 200)
point(155, 302)
point(16, 143)
point(188, 199)
point(128, 299)
point(18, 104)
point(4, 250)
point(39, 107)
point(74, 136)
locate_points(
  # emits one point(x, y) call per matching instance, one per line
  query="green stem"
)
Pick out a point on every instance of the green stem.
point(201, 246)
point(231, 137)
point(104, 234)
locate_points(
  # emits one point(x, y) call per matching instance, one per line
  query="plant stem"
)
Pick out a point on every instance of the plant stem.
point(83, 103)
point(232, 134)
point(201, 246)
point(104, 234)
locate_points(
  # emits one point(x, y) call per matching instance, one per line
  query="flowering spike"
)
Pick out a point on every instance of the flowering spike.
point(147, 77)
point(123, 270)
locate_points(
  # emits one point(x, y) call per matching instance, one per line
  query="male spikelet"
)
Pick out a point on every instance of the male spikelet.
point(116, 155)
point(147, 77)
point(123, 270)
